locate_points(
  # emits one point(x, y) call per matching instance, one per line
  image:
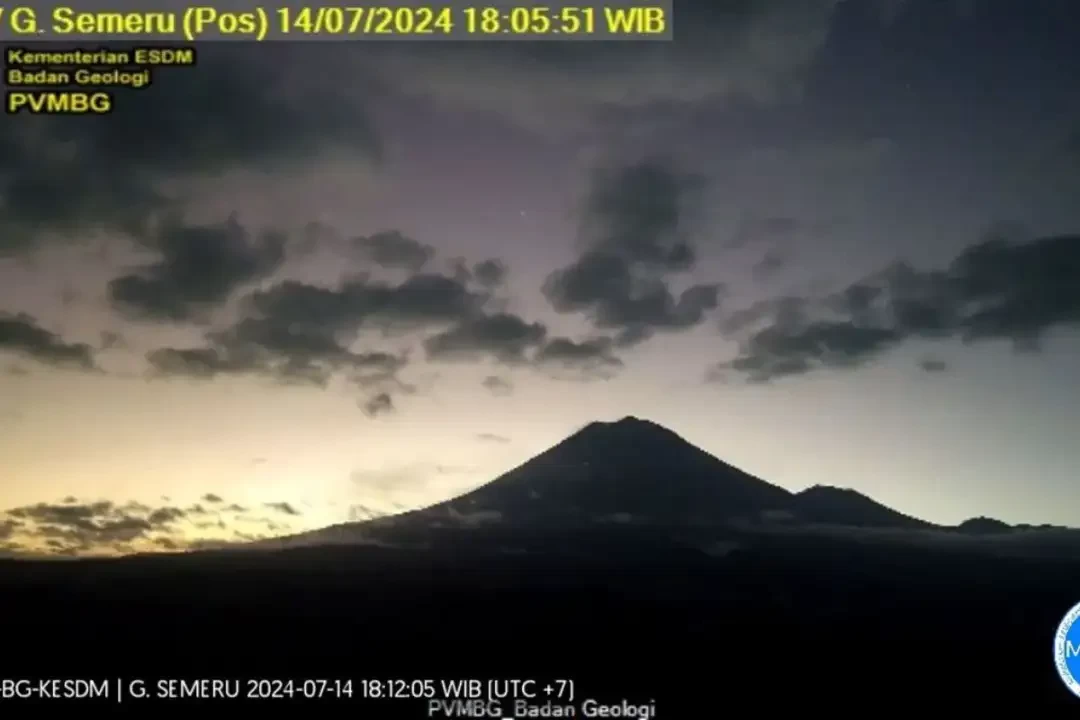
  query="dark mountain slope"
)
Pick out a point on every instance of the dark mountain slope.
point(633, 469)
point(629, 472)
point(839, 506)
point(984, 526)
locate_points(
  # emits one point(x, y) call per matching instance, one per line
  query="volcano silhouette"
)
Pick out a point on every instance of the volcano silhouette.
point(631, 472)
point(631, 469)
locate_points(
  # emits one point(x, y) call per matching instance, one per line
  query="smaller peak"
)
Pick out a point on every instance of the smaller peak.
point(984, 524)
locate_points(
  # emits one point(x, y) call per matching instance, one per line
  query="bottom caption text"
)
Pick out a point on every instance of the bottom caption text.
point(469, 698)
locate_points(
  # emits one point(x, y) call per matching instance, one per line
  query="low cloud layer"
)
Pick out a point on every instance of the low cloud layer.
point(994, 290)
point(77, 528)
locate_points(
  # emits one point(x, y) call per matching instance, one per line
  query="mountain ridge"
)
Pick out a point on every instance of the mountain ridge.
point(830, 504)
point(626, 472)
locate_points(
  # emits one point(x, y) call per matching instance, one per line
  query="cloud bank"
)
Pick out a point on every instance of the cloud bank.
point(996, 289)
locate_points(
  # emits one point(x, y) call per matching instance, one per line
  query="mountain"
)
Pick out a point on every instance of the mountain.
point(840, 506)
point(631, 470)
point(984, 526)
point(992, 526)
point(584, 563)
point(631, 473)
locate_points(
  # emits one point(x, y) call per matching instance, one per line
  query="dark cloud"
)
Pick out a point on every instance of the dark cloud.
point(296, 332)
point(422, 300)
point(493, 438)
point(391, 249)
point(781, 350)
point(490, 273)
point(591, 356)
point(204, 362)
point(933, 365)
point(636, 237)
point(996, 289)
point(252, 348)
point(487, 274)
point(502, 336)
point(606, 288)
point(200, 267)
point(111, 340)
point(283, 507)
point(1017, 291)
point(497, 385)
point(164, 515)
point(292, 352)
point(380, 404)
point(238, 109)
point(21, 334)
point(212, 498)
point(637, 213)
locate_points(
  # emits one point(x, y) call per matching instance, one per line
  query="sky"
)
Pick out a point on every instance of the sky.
point(828, 241)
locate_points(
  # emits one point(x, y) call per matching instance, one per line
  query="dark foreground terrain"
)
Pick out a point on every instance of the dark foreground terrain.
point(781, 623)
point(624, 559)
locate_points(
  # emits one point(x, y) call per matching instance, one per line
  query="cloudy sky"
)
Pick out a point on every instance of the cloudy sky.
point(828, 241)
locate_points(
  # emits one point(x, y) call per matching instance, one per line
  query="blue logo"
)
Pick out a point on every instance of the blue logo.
point(1067, 650)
